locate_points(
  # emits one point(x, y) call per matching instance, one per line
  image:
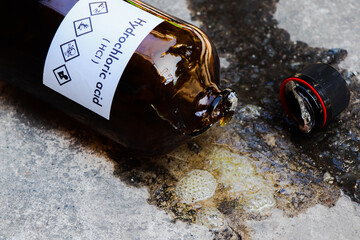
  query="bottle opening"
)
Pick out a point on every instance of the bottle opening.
point(221, 110)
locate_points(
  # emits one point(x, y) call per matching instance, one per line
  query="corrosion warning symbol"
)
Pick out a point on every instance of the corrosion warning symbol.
point(62, 75)
point(70, 50)
point(83, 26)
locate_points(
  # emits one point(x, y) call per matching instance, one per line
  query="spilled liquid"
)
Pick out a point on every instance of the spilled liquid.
point(261, 57)
point(259, 160)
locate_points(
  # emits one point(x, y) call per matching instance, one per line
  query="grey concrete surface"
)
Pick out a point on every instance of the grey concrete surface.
point(177, 8)
point(319, 222)
point(54, 187)
point(324, 23)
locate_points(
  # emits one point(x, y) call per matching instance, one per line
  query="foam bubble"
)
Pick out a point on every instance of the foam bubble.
point(195, 186)
point(237, 173)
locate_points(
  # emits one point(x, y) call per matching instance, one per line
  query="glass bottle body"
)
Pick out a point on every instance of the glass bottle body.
point(167, 94)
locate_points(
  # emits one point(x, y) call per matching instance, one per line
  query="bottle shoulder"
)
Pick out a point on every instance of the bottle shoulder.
point(174, 73)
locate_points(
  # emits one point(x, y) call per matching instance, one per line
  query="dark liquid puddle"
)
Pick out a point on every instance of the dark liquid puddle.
point(298, 170)
point(306, 170)
point(262, 57)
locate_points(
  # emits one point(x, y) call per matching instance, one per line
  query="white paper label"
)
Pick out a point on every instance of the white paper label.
point(91, 49)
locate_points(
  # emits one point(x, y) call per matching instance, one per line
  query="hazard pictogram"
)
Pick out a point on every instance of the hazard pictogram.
point(70, 50)
point(62, 75)
point(97, 8)
point(83, 26)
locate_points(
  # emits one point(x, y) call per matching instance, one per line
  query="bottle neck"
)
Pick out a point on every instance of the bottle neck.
point(220, 110)
point(60, 6)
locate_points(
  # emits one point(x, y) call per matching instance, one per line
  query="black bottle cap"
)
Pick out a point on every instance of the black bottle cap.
point(315, 96)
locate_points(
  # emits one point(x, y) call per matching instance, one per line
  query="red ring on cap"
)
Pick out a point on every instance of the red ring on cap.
point(283, 100)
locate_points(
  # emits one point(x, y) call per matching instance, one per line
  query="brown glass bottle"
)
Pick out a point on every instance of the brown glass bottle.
point(167, 94)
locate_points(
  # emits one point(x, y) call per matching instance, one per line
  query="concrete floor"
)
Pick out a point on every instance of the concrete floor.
point(53, 186)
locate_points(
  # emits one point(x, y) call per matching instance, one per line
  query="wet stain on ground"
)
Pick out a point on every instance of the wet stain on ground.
point(261, 57)
point(290, 171)
point(287, 170)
